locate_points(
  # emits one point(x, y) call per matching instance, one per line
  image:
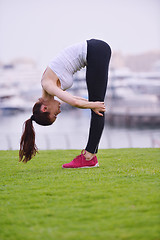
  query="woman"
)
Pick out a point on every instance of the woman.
point(95, 55)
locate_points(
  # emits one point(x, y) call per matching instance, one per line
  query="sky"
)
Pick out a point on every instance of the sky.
point(39, 29)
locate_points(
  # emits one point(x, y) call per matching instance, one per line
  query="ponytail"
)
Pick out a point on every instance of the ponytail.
point(28, 148)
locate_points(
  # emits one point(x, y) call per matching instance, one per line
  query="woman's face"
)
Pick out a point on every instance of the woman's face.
point(53, 107)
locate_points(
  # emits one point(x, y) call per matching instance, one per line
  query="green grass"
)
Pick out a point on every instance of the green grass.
point(120, 200)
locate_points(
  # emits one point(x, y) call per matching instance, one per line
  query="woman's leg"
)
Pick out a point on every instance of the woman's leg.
point(98, 57)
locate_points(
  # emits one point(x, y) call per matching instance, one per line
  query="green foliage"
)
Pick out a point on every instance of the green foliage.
point(41, 201)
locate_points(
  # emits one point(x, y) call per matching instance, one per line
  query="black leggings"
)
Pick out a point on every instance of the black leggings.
point(98, 57)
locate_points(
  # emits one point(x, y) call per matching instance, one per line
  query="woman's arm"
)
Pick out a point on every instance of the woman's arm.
point(78, 102)
point(80, 98)
point(96, 106)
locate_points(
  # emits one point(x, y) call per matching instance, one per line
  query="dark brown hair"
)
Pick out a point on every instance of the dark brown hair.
point(28, 148)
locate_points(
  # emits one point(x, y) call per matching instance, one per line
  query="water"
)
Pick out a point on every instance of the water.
point(70, 131)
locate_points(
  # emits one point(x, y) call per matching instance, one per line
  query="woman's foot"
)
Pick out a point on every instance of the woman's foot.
point(88, 155)
point(81, 162)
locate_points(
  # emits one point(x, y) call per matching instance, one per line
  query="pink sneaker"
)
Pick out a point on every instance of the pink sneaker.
point(81, 162)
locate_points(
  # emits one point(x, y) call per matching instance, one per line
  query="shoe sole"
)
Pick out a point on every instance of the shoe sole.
point(97, 165)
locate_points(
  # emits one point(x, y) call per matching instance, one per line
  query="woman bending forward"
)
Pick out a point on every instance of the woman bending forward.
point(95, 55)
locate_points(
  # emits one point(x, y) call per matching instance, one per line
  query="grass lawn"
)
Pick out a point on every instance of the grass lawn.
point(119, 200)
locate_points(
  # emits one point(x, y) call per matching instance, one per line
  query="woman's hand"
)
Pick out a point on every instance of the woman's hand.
point(99, 107)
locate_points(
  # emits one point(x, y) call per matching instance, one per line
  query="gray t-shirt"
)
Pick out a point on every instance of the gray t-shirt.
point(69, 61)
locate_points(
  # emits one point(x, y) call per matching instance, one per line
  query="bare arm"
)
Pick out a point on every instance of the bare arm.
point(80, 98)
point(75, 101)
point(97, 107)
